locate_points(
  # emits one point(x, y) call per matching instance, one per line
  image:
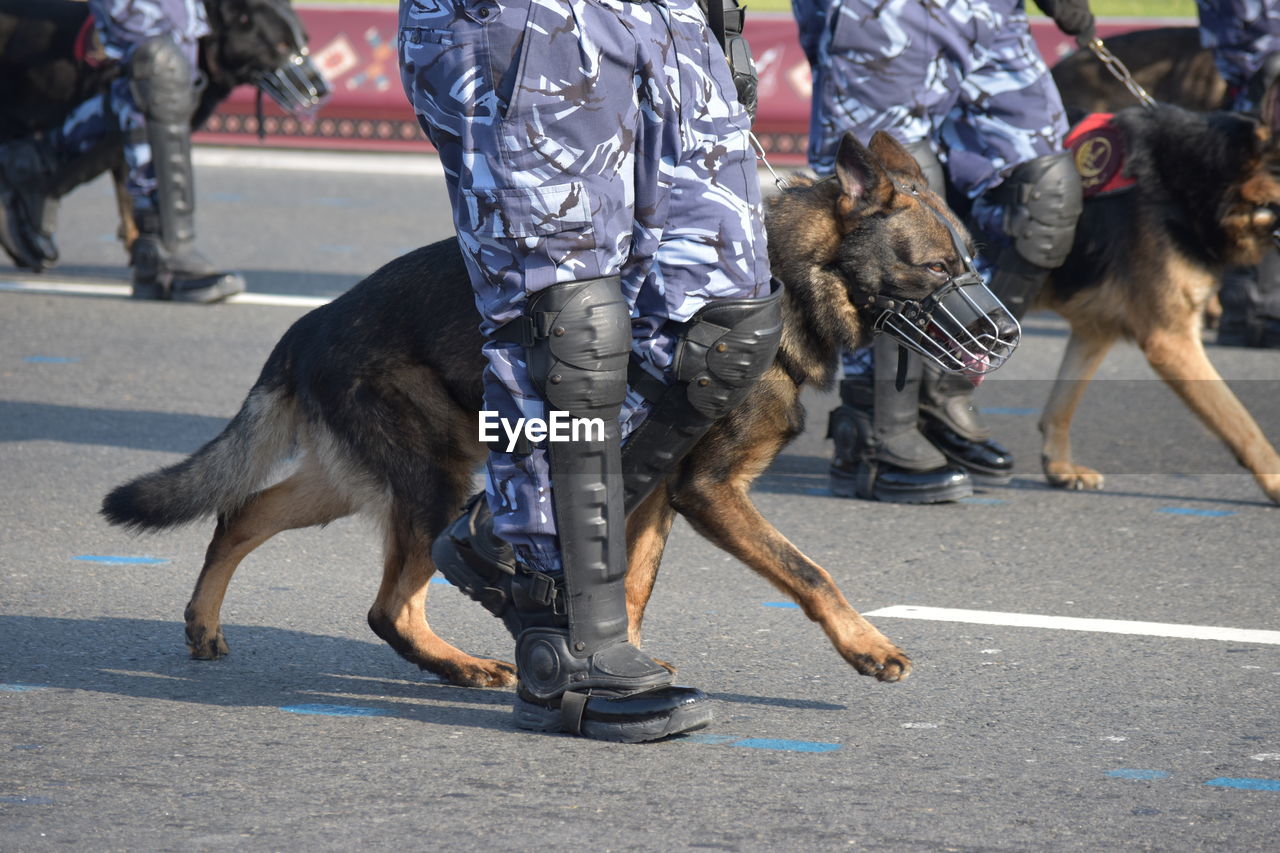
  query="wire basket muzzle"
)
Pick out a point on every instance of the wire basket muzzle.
point(962, 327)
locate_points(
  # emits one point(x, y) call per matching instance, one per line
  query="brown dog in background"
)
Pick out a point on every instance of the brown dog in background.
point(1147, 260)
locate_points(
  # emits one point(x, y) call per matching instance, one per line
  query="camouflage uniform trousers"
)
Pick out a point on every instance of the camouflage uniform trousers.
point(964, 74)
point(1241, 33)
point(124, 25)
point(583, 139)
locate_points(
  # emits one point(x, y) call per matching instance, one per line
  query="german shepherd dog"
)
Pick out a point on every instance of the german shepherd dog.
point(377, 394)
point(1146, 261)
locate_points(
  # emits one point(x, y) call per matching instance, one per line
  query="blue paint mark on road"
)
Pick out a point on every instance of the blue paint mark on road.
point(21, 688)
point(439, 580)
point(760, 743)
point(1126, 773)
point(1008, 410)
point(787, 745)
point(785, 605)
point(336, 710)
point(983, 501)
point(115, 560)
point(1186, 510)
point(1246, 784)
point(27, 801)
point(50, 359)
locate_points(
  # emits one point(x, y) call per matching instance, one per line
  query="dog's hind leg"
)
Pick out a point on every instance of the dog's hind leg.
point(720, 510)
point(399, 617)
point(1080, 362)
point(302, 500)
point(647, 529)
point(1179, 357)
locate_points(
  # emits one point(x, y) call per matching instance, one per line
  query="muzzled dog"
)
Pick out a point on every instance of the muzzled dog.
point(377, 394)
point(1147, 259)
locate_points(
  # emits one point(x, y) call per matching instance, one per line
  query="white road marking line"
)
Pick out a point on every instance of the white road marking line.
point(1073, 623)
point(349, 162)
point(48, 287)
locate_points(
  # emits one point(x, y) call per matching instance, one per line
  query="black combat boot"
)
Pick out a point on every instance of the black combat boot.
point(879, 451)
point(28, 205)
point(950, 421)
point(1250, 299)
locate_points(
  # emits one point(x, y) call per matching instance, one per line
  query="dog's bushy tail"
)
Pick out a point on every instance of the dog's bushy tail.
point(217, 478)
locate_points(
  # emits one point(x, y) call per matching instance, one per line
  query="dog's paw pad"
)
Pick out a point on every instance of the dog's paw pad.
point(205, 645)
point(1074, 477)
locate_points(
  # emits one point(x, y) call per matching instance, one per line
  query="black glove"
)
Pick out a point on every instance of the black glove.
point(1072, 17)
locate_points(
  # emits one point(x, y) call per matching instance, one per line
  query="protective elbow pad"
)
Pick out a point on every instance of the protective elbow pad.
point(1043, 200)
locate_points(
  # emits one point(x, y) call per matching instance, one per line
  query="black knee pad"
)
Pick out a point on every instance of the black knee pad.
point(720, 353)
point(577, 336)
point(162, 82)
point(1043, 199)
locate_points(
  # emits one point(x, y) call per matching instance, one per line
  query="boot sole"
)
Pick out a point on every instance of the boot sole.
point(690, 718)
point(846, 488)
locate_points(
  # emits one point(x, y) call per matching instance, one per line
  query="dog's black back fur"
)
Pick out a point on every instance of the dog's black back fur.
point(1188, 169)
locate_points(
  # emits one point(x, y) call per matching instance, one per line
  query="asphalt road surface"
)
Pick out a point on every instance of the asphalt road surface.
point(1031, 732)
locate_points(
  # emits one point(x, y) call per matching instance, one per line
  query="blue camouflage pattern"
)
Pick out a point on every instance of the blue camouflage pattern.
point(1241, 33)
point(965, 75)
point(582, 139)
point(123, 26)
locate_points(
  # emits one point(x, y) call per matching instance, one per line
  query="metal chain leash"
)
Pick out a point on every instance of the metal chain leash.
point(1120, 72)
point(778, 180)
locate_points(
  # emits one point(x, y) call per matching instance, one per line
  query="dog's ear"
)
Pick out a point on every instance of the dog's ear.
point(896, 158)
point(865, 183)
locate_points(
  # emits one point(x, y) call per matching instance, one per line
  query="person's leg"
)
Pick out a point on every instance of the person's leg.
point(1244, 36)
point(890, 68)
point(533, 110)
point(153, 106)
point(1003, 145)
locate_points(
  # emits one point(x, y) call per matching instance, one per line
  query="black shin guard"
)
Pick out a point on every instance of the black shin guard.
point(166, 264)
point(720, 353)
point(577, 672)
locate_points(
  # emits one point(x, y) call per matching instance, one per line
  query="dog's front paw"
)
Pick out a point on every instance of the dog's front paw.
point(888, 663)
point(205, 644)
point(1270, 484)
point(1068, 475)
point(478, 672)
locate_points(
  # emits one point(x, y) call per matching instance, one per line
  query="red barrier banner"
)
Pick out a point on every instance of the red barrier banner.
point(356, 49)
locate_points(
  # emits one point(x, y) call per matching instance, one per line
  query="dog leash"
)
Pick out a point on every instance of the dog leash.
point(778, 180)
point(1120, 71)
